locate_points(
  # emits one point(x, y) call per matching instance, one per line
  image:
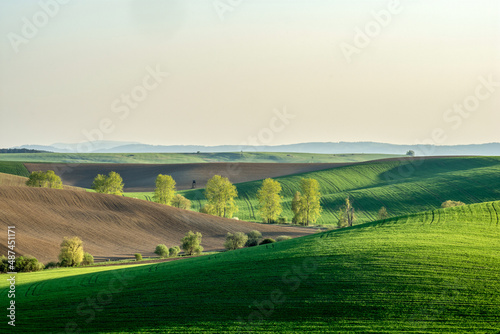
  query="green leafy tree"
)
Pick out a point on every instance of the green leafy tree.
point(220, 194)
point(191, 243)
point(270, 200)
point(162, 250)
point(310, 207)
point(254, 237)
point(346, 214)
point(112, 184)
point(382, 213)
point(71, 252)
point(47, 179)
point(181, 202)
point(235, 241)
point(410, 153)
point(165, 189)
point(297, 213)
point(88, 259)
point(174, 251)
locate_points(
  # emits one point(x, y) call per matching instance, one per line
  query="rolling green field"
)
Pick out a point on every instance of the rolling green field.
point(403, 187)
point(171, 158)
point(433, 272)
point(14, 168)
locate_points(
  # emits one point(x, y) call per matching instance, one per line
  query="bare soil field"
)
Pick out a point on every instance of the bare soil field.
point(141, 177)
point(111, 227)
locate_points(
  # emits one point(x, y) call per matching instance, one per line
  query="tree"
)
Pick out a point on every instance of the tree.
point(254, 238)
point(310, 207)
point(191, 243)
point(47, 179)
point(165, 189)
point(173, 251)
point(112, 184)
point(410, 153)
point(270, 200)
point(220, 194)
point(234, 241)
point(162, 250)
point(71, 252)
point(346, 214)
point(297, 218)
point(382, 213)
point(450, 204)
point(181, 202)
point(88, 259)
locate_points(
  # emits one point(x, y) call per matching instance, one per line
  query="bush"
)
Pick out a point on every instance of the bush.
point(161, 250)
point(28, 264)
point(282, 238)
point(4, 264)
point(450, 204)
point(267, 241)
point(87, 259)
point(382, 213)
point(254, 238)
point(138, 256)
point(174, 251)
point(71, 252)
point(234, 241)
point(51, 265)
point(191, 243)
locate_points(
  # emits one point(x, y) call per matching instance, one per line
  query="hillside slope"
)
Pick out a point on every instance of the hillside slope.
point(434, 272)
point(403, 186)
point(110, 226)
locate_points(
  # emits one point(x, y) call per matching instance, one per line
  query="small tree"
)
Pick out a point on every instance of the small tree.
point(191, 243)
point(138, 256)
point(71, 252)
point(346, 214)
point(165, 189)
point(270, 200)
point(254, 238)
point(450, 204)
point(161, 250)
point(181, 202)
point(220, 194)
point(267, 241)
point(174, 251)
point(46, 179)
point(234, 241)
point(382, 213)
point(297, 218)
point(283, 238)
point(410, 153)
point(88, 259)
point(310, 207)
point(112, 184)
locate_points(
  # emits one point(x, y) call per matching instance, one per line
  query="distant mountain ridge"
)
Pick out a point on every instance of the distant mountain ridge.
point(490, 149)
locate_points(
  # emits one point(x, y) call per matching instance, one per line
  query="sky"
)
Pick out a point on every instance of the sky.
point(258, 72)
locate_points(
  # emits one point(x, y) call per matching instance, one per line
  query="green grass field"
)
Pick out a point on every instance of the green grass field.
point(171, 158)
point(433, 272)
point(401, 186)
point(14, 168)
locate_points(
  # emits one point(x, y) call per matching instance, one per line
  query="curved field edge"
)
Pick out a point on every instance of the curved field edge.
point(402, 186)
point(13, 168)
point(432, 272)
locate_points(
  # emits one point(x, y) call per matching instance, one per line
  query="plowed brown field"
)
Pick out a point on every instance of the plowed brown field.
point(110, 226)
point(141, 177)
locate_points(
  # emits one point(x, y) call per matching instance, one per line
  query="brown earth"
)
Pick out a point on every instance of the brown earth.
point(141, 177)
point(111, 227)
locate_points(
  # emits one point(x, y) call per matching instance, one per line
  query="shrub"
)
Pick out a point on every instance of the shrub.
point(191, 243)
point(4, 264)
point(234, 241)
point(254, 238)
point(161, 250)
point(51, 265)
point(87, 259)
point(450, 204)
point(267, 241)
point(71, 252)
point(174, 251)
point(27, 264)
point(138, 256)
point(282, 238)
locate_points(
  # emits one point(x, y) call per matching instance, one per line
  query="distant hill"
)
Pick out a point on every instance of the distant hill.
point(491, 149)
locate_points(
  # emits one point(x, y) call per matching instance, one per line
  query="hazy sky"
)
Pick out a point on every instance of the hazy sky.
point(416, 71)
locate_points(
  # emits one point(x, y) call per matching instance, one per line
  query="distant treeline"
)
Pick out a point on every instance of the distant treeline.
point(20, 150)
